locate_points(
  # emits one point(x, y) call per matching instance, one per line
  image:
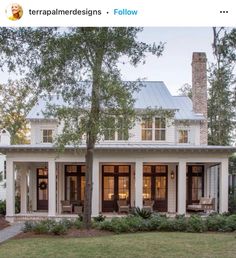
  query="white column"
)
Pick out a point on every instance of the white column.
point(10, 189)
point(182, 187)
point(23, 189)
point(139, 184)
point(223, 177)
point(95, 192)
point(51, 188)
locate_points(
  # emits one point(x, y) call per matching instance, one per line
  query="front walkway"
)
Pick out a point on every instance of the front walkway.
point(10, 231)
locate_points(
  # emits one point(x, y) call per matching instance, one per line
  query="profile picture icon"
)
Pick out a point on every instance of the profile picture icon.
point(14, 12)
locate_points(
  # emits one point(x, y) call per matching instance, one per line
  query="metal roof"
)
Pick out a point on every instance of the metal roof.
point(153, 94)
point(185, 109)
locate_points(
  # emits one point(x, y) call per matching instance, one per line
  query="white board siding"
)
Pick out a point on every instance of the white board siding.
point(171, 208)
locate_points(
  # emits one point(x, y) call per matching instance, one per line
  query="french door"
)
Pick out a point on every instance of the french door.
point(155, 185)
point(195, 183)
point(115, 186)
point(42, 189)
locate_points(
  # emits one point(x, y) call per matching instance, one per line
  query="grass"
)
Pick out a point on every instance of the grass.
point(139, 245)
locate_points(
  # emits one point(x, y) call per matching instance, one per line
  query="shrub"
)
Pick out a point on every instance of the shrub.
point(179, 223)
point(155, 222)
point(58, 229)
point(145, 214)
point(67, 223)
point(3, 207)
point(78, 223)
point(40, 228)
point(230, 223)
point(216, 222)
point(28, 226)
point(196, 224)
point(99, 218)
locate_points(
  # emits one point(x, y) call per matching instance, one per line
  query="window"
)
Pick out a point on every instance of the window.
point(147, 129)
point(154, 129)
point(47, 136)
point(160, 129)
point(183, 136)
point(110, 131)
point(122, 131)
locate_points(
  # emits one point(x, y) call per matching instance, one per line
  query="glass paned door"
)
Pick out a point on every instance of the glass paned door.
point(42, 189)
point(115, 186)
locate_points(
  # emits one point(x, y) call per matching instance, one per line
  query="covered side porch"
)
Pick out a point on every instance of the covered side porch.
point(172, 178)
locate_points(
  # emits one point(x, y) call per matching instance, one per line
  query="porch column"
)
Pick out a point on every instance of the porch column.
point(95, 192)
point(10, 190)
point(223, 183)
point(139, 184)
point(23, 190)
point(182, 187)
point(51, 188)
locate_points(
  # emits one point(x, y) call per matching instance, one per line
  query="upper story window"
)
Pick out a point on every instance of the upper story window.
point(183, 136)
point(160, 128)
point(154, 129)
point(122, 131)
point(121, 134)
point(47, 136)
point(109, 134)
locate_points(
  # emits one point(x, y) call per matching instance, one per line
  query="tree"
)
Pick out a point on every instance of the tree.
point(102, 103)
point(20, 50)
point(16, 99)
point(186, 90)
point(221, 80)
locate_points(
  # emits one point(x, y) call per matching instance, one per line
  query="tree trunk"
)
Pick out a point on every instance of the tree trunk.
point(89, 187)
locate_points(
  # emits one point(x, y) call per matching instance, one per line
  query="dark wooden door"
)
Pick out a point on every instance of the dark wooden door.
point(194, 184)
point(115, 186)
point(42, 189)
point(155, 185)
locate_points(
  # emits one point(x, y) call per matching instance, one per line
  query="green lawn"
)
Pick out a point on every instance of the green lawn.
point(145, 245)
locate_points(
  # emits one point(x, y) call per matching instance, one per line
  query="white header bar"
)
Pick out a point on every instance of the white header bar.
point(120, 13)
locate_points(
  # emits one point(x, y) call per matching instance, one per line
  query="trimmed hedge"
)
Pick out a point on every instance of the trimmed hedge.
point(133, 223)
point(194, 223)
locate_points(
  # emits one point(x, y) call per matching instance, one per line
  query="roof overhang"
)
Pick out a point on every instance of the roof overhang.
point(121, 147)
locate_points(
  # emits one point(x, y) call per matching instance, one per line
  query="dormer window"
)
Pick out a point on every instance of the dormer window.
point(183, 136)
point(47, 136)
point(154, 128)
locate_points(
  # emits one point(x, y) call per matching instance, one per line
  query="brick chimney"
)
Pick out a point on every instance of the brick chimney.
point(199, 88)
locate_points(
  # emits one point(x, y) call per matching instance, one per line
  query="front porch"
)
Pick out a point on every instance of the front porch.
point(172, 184)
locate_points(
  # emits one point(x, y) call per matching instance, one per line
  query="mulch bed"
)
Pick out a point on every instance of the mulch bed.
point(70, 233)
point(3, 223)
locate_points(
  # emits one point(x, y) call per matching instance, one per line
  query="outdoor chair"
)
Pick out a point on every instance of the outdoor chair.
point(148, 205)
point(205, 204)
point(123, 206)
point(78, 209)
point(66, 206)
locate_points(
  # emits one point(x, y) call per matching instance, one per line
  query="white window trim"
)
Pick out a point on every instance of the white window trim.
point(154, 129)
point(41, 135)
point(177, 135)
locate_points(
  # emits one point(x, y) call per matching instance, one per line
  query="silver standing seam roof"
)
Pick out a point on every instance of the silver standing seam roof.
point(153, 94)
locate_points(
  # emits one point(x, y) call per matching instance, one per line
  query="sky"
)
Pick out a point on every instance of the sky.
point(174, 66)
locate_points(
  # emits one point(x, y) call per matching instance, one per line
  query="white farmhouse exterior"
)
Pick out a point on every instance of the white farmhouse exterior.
point(164, 160)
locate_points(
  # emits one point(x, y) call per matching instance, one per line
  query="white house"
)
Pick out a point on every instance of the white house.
point(168, 162)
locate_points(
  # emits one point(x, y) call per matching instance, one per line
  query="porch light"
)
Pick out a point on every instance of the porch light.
point(172, 175)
